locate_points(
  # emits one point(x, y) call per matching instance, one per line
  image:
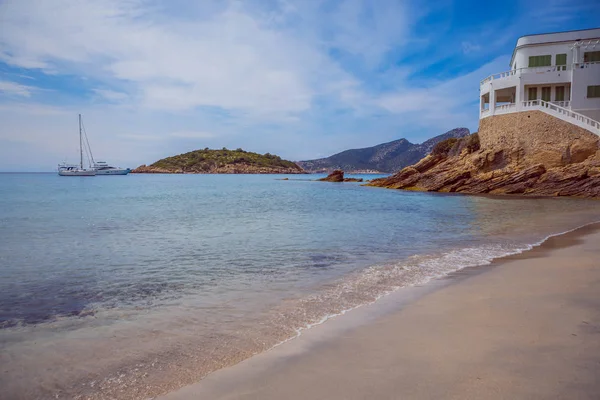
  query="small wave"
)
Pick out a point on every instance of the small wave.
point(375, 282)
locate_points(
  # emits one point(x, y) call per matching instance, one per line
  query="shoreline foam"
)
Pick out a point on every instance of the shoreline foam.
point(294, 369)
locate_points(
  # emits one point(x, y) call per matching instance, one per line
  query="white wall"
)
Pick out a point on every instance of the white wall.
point(582, 78)
point(522, 55)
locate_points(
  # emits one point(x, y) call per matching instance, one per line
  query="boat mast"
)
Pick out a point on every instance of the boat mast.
point(80, 145)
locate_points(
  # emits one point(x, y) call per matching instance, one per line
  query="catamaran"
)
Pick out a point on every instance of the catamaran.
point(76, 170)
point(95, 168)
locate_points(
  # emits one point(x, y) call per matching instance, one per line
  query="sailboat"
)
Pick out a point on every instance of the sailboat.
point(76, 170)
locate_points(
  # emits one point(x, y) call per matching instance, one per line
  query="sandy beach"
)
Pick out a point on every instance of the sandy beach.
point(525, 327)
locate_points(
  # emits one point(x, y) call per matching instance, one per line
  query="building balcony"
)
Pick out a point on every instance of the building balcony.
point(524, 71)
point(555, 74)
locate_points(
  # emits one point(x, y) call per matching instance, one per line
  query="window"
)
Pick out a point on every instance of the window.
point(561, 62)
point(591, 56)
point(546, 93)
point(560, 93)
point(540, 61)
point(593, 91)
point(532, 94)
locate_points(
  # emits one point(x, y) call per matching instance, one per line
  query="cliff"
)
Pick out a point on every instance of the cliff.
point(385, 157)
point(221, 162)
point(527, 153)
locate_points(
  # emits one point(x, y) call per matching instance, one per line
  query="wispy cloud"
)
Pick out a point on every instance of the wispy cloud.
point(296, 78)
point(14, 89)
point(111, 95)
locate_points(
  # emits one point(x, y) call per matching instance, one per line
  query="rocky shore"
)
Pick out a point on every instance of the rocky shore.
point(528, 153)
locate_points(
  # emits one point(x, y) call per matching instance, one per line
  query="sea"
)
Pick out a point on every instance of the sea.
point(130, 286)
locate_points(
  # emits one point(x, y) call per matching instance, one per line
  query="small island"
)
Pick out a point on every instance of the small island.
point(223, 161)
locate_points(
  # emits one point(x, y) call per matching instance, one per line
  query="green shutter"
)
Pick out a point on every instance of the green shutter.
point(540, 61)
point(561, 59)
point(560, 93)
point(593, 91)
point(532, 95)
point(591, 56)
point(547, 60)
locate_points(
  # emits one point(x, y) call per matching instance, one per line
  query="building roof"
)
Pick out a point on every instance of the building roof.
point(555, 37)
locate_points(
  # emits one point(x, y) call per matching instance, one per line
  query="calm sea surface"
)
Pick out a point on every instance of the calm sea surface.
point(129, 286)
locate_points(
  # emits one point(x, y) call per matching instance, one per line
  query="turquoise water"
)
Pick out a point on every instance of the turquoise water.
point(194, 258)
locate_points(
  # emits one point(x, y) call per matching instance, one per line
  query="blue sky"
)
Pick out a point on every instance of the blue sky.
point(302, 79)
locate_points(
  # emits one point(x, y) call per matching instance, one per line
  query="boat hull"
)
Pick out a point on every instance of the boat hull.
point(116, 171)
point(80, 172)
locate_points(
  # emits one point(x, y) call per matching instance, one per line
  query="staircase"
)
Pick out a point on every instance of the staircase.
point(563, 113)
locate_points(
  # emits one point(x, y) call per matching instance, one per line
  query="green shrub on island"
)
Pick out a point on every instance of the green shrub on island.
point(206, 160)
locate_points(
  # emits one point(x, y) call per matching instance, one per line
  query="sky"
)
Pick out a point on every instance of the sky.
point(301, 79)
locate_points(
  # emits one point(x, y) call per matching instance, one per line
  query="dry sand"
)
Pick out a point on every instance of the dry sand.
point(526, 327)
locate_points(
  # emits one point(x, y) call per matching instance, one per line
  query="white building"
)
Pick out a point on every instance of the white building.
point(557, 73)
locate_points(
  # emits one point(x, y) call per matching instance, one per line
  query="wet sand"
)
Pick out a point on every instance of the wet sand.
point(525, 327)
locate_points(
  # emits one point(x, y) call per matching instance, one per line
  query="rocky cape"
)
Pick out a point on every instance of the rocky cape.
point(221, 162)
point(526, 153)
point(385, 157)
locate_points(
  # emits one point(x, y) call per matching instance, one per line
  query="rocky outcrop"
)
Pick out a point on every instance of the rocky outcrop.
point(338, 176)
point(527, 153)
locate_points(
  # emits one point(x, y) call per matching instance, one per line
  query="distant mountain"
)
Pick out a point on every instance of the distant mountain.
point(386, 157)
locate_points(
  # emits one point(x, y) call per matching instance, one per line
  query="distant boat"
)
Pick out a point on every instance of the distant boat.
point(76, 170)
point(95, 168)
point(102, 168)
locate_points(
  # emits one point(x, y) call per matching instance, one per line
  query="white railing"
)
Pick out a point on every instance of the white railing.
point(505, 108)
point(485, 112)
point(528, 70)
point(499, 75)
point(590, 64)
point(564, 114)
point(564, 104)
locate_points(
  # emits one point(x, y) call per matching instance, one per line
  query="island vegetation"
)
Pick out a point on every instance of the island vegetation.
point(222, 161)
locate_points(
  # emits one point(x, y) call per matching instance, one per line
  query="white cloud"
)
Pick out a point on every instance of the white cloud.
point(110, 95)
point(231, 60)
point(15, 89)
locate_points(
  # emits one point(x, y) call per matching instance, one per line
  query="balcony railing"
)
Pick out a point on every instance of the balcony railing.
point(485, 112)
point(530, 70)
point(505, 108)
point(585, 65)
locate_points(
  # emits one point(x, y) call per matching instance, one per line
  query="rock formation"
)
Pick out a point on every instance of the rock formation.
point(527, 153)
point(338, 176)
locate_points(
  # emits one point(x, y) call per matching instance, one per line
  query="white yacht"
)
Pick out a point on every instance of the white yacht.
point(95, 168)
point(76, 170)
point(102, 168)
